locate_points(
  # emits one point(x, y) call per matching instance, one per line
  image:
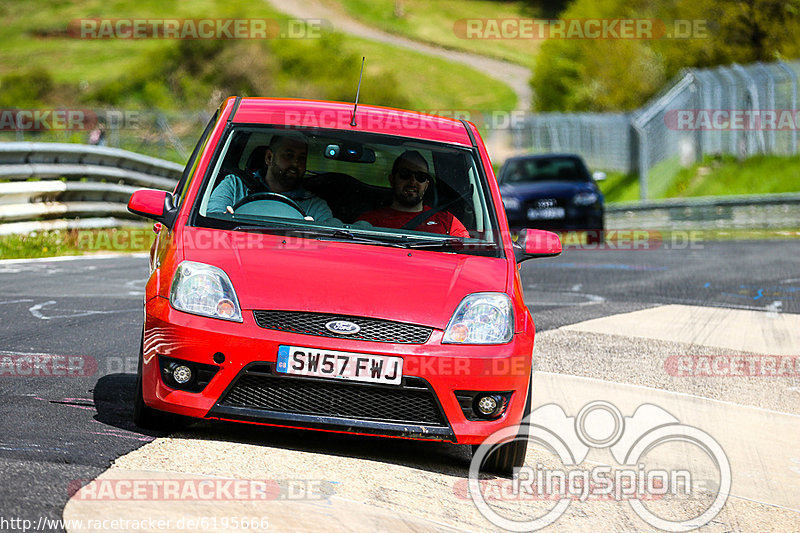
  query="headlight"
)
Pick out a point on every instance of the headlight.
point(511, 203)
point(205, 290)
point(481, 318)
point(585, 198)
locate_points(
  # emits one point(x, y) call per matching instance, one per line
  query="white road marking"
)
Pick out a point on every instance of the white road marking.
point(570, 298)
point(7, 352)
point(136, 287)
point(24, 300)
point(36, 311)
point(62, 258)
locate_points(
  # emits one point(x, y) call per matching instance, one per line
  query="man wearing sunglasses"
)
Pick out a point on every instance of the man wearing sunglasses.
point(409, 181)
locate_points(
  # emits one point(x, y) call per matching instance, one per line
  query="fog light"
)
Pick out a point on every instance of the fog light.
point(487, 405)
point(182, 374)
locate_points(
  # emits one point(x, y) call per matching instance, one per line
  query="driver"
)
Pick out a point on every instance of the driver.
point(409, 180)
point(285, 165)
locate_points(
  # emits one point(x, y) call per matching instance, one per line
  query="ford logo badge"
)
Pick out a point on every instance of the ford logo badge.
point(342, 327)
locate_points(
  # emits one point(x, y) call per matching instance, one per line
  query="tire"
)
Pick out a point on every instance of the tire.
point(502, 459)
point(146, 417)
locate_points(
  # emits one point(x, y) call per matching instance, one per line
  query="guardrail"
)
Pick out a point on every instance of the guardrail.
point(77, 186)
point(82, 186)
point(762, 211)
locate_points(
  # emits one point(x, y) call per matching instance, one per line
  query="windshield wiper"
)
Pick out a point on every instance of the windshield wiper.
point(337, 235)
point(342, 235)
point(267, 229)
point(452, 243)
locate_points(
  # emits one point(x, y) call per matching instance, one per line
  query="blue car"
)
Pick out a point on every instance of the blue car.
point(553, 192)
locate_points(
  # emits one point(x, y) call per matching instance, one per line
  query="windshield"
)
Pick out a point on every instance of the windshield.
point(354, 187)
point(544, 169)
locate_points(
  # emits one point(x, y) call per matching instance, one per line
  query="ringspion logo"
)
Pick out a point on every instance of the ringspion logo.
point(630, 440)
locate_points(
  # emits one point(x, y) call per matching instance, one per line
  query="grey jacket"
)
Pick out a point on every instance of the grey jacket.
point(231, 189)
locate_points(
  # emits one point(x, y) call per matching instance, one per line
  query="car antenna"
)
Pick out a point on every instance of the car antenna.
point(355, 106)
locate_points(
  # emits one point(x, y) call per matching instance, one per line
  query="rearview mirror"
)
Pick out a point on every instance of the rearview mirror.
point(534, 243)
point(153, 204)
point(352, 152)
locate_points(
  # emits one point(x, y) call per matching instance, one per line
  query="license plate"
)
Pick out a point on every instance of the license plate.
point(304, 361)
point(545, 213)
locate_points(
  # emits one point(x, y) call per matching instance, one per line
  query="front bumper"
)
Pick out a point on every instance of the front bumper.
point(251, 351)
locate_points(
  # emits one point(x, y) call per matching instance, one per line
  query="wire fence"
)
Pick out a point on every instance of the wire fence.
point(737, 110)
point(168, 135)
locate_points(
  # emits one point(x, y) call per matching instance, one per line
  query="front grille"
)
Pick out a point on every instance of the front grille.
point(541, 203)
point(372, 329)
point(413, 403)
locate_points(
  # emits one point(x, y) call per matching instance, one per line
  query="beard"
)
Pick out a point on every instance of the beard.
point(408, 198)
point(288, 178)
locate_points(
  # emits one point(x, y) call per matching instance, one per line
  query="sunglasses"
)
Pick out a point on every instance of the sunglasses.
point(406, 174)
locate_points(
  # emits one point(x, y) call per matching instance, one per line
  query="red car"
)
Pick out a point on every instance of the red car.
point(342, 269)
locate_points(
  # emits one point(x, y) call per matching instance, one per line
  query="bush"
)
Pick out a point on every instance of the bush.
point(187, 73)
point(621, 74)
point(26, 89)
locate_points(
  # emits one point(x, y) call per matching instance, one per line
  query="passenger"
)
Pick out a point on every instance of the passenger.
point(409, 180)
point(285, 165)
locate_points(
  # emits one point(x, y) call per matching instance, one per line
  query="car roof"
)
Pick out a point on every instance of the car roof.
point(337, 115)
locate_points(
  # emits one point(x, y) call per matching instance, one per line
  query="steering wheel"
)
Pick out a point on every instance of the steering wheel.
point(274, 196)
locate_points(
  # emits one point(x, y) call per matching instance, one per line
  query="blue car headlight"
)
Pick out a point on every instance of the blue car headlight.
point(205, 290)
point(512, 203)
point(585, 198)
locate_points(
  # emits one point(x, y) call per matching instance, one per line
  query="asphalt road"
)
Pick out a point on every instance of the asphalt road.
point(56, 432)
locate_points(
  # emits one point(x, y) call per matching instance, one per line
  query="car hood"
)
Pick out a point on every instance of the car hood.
point(287, 273)
point(547, 189)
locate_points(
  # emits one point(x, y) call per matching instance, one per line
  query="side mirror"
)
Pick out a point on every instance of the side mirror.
point(156, 205)
point(534, 243)
point(599, 175)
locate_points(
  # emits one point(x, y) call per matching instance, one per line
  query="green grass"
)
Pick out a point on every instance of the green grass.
point(433, 21)
point(619, 187)
point(29, 39)
point(75, 242)
point(722, 176)
point(72, 60)
point(714, 176)
point(434, 84)
point(661, 176)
